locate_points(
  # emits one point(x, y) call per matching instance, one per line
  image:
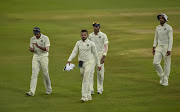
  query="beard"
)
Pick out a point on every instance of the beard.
point(84, 38)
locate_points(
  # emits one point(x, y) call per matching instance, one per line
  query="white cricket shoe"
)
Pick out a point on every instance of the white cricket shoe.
point(99, 92)
point(89, 97)
point(161, 80)
point(48, 93)
point(165, 81)
point(29, 93)
point(84, 99)
point(92, 92)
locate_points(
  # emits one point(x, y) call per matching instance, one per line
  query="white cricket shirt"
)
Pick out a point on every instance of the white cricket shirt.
point(164, 36)
point(43, 41)
point(86, 49)
point(99, 40)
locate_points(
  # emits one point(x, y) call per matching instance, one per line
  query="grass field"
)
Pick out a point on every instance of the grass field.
point(131, 83)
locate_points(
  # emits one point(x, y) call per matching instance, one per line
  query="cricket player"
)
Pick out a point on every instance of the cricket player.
point(39, 46)
point(164, 39)
point(101, 42)
point(87, 51)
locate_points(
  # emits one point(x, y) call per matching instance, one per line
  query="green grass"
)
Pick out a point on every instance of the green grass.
point(131, 83)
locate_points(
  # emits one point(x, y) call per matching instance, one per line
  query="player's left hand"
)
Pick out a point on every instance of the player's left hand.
point(69, 63)
point(168, 53)
point(99, 68)
point(31, 49)
point(103, 59)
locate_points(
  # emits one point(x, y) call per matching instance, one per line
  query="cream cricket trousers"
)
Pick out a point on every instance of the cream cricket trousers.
point(85, 73)
point(161, 52)
point(40, 62)
point(100, 75)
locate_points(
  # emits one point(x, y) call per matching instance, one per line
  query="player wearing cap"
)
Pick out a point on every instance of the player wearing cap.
point(39, 46)
point(87, 50)
point(101, 42)
point(164, 39)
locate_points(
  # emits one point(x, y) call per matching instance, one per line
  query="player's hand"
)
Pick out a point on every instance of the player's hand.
point(103, 59)
point(31, 49)
point(153, 52)
point(99, 68)
point(69, 62)
point(36, 44)
point(168, 53)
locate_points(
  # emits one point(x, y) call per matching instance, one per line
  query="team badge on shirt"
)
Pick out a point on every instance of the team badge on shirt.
point(41, 40)
point(164, 28)
point(87, 45)
point(99, 36)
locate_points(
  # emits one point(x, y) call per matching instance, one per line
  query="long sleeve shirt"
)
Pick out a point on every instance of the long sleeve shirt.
point(99, 40)
point(164, 36)
point(86, 51)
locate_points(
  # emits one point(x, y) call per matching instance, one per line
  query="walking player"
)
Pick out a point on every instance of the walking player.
point(101, 42)
point(39, 45)
point(164, 38)
point(86, 50)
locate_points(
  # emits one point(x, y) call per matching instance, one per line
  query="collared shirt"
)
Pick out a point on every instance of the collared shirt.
point(86, 49)
point(43, 41)
point(164, 36)
point(99, 40)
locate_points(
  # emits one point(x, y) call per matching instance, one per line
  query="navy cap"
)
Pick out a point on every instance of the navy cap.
point(36, 30)
point(96, 24)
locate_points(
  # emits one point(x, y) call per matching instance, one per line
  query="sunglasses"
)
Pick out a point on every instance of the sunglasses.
point(95, 23)
point(36, 30)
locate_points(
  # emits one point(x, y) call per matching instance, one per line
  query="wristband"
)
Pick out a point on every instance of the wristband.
point(104, 53)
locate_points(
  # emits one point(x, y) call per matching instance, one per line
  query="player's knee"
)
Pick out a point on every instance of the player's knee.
point(33, 77)
point(85, 80)
point(156, 64)
point(44, 69)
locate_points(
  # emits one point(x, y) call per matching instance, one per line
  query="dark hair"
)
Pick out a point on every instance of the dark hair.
point(84, 31)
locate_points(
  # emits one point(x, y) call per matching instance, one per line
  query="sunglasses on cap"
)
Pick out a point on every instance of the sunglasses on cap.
point(96, 24)
point(36, 30)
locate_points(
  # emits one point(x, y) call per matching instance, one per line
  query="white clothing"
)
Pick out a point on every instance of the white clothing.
point(164, 38)
point(87, 51)
point(40, 61)
point(69, 67)
point(99, 40)
point(43, 41)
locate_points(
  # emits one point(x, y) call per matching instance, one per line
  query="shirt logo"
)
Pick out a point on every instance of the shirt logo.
point(87, 45)
point(41, 40)
point(99, 36)
point(164, 28)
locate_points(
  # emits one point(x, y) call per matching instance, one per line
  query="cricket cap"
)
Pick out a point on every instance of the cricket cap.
point(96, 24)
point(163, 15)
point(36, 30)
